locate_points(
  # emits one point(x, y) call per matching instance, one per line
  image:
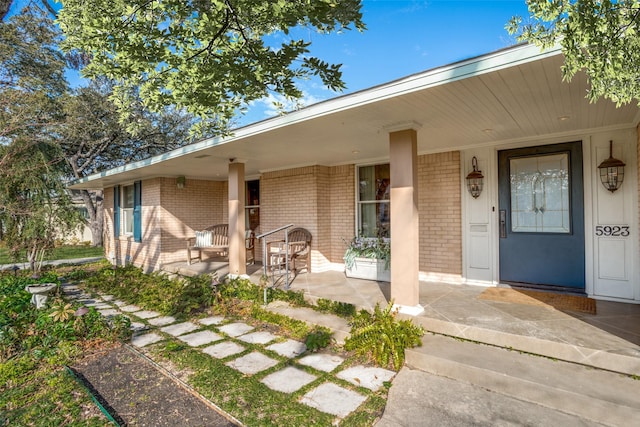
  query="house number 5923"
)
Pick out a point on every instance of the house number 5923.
point(612, 230)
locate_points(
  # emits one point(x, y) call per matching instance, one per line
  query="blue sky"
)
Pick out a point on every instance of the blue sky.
point(404, 37)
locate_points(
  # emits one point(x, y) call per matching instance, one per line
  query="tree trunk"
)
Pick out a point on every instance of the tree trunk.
point(95, 209)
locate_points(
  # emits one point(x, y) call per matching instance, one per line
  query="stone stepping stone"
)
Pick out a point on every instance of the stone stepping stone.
point(258, 337)
point(145, 339)
point(106, 297)
point(235, 329)
point(213, 320)
point(366, 376)
point(322, 361)
point(86, 301)
point(162, 321)
point(180, 328)
point(137, 326)
point(288, 348)
point(100, 306)
point(223, 349)
point(197, 339)
point(74, 295)
point(107, 312)
point(288, 380)
point(130, 308)
point(252, 363)
point(119, 303)
point(333, 399)
point(146, 314)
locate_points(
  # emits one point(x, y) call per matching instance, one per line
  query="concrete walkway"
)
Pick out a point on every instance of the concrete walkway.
point(607, 340)
point(74, 261)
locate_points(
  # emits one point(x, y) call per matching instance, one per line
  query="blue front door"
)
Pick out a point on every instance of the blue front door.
point(542, 215)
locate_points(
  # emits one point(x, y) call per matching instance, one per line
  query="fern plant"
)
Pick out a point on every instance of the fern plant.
point(382, 336)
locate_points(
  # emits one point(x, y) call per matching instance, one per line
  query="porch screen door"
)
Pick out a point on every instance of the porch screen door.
point(542, 215)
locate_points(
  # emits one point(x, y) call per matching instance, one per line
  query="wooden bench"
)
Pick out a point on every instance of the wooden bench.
point(214, 238)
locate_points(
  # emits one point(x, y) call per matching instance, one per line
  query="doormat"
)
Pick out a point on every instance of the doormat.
point(547, 299)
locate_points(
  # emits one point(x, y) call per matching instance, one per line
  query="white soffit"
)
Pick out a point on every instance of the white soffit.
point(510, 94)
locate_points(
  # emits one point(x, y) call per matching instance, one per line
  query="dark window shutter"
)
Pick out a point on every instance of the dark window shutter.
point(116, 210)
point(137, 211)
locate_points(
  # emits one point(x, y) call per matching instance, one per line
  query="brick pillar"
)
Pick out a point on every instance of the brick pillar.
point(237, 250)
point(405, 289)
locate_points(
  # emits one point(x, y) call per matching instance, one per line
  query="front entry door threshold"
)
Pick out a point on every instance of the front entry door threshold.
point(547, 288)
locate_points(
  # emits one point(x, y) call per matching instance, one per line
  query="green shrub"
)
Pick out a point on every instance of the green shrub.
point(383, 337)
point(342, 309)
point(296, 329)
point(246, 290)
point(154, 291)
point(319, 338)
point(51, 334)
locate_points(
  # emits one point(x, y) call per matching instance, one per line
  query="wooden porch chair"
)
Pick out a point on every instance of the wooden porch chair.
point(299, 251)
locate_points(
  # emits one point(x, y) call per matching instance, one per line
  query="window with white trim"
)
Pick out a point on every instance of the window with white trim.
point(374, 201)
point(126, 206)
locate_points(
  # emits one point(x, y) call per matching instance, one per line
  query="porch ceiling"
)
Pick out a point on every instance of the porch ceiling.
point(457, 107)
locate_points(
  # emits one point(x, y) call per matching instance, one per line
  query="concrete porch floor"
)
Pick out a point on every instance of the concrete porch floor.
point(608, 340)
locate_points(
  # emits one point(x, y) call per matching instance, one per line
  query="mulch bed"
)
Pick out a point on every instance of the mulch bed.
point(137, 393)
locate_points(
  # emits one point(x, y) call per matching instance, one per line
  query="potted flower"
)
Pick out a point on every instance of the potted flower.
point(368, 258)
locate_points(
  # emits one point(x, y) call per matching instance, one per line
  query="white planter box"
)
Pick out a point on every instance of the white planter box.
point(369, 269)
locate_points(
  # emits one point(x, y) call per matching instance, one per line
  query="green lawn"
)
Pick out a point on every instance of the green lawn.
point(62, 252)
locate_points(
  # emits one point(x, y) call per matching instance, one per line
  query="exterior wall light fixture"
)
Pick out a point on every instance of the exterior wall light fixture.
point(611, 171)
point(474, 179)
point(180, 181)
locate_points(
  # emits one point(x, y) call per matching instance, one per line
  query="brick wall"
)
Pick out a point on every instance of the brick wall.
point(169, 216)
point(291, 197)
point(439, 204)
point(184, 210)
point(318, 198)
point(343, 210)
point(107, 232)
point(147, 254)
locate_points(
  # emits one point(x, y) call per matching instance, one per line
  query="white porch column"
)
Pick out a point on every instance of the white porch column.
point(404, 220)
point(237, 251)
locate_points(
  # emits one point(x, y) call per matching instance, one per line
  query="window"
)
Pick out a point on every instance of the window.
point(374, 201)
point(127, 210)
point(252, 205)
point(540, 191)
point(126, 204)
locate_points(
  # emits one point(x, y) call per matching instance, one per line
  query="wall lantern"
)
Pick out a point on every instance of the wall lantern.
point(611, 171)
point(474, 179)
point(180, 181)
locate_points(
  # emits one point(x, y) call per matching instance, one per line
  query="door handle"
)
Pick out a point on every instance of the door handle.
point(503, 224)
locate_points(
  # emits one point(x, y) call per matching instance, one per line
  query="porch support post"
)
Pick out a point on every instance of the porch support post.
point(405, 289)
point(237, 250)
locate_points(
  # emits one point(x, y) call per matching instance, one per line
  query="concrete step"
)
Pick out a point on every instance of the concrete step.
point(617, 358)
point(338, 326)
point(597, 395)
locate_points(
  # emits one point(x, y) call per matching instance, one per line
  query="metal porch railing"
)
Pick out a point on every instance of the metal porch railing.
point(276, 264)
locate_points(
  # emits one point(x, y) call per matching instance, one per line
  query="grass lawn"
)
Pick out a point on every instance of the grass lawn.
point(62, 252)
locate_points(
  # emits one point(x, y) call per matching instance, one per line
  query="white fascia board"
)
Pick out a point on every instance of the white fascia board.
point(505, 58)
